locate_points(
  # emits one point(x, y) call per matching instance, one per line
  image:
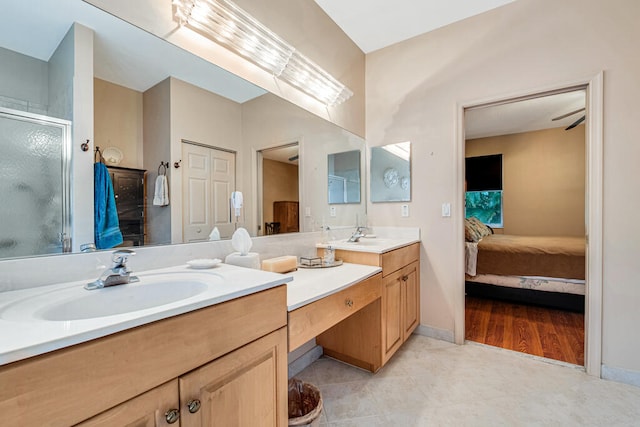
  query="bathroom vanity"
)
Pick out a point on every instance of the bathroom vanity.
point(227, 360)
point(364, 323)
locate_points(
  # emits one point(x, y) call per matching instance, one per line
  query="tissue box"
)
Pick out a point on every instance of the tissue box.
point(250, 260)
point(282, 264)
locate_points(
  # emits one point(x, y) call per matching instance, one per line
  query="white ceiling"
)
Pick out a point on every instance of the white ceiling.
point(123, 54)
point(374, 24)
point(524, 116)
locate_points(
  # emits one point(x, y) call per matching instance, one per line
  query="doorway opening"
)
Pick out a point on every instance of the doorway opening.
point(278, 195)
point(525, 226)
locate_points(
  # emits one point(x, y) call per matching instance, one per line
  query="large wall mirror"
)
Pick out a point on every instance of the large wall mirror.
point(148, 103)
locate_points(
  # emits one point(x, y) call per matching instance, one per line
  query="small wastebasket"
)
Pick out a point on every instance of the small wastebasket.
point(305, 403)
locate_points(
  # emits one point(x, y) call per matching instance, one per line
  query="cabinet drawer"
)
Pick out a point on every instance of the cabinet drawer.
point(396, 259)
point(311, 320)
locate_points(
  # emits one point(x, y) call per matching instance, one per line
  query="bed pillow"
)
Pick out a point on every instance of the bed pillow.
point(474, 229)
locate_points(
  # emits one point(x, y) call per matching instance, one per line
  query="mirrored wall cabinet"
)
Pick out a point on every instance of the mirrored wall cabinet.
point(390, 173)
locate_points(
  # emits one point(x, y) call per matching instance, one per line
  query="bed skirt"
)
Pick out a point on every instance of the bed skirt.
point(563, 294)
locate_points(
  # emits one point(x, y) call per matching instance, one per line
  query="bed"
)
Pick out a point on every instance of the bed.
point(546, 270)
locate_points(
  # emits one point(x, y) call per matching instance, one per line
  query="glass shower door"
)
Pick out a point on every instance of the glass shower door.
point(34, 184)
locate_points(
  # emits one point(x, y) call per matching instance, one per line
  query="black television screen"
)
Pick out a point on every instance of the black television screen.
point(484, 172)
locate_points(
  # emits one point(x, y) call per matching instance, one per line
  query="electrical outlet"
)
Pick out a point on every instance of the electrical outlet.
point(332, 211)
point(446, 210)
point(404, 210)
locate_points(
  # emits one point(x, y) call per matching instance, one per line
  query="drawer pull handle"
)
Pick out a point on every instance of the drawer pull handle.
point(193, 405)
point(172, 415)
point(349, 302)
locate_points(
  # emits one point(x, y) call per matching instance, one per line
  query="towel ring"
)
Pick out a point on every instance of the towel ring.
point(162, 169)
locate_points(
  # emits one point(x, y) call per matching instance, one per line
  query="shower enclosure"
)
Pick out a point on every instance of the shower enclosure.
point(34, 184)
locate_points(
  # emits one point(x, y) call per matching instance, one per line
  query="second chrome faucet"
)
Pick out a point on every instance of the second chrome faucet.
point(118, 274)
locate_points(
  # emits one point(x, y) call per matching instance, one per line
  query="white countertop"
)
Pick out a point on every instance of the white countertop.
point(312, 284)
point(25, 335)
point(378, 245)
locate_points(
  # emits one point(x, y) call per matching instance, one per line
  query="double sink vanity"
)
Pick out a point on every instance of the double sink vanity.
point(199, 347)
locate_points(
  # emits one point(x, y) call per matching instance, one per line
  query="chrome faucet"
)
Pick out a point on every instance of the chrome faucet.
point(355, 237)
point(118, 274)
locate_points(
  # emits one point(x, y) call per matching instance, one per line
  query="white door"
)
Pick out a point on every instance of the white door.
point(207, 182)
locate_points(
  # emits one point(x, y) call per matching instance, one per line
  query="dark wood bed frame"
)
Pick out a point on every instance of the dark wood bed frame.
point(559, 300)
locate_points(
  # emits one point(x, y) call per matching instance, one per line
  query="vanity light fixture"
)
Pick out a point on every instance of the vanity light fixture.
point(230, 26)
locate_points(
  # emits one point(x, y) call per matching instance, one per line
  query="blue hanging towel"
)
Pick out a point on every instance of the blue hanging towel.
point(106, 225)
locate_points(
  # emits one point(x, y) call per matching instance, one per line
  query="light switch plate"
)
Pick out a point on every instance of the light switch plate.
point(404, 210)
point(446, 210)
point(307, 212)
point(332, 211)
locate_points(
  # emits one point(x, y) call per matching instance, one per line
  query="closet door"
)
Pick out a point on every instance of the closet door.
point(207, 182)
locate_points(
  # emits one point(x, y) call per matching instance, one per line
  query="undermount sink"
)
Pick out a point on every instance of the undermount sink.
point(77, 303)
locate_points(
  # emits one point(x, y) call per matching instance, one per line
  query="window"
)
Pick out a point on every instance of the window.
point(485, 205)
point(483, 198)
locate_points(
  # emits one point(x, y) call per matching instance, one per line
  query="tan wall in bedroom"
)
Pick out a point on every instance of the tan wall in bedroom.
point(543, 180)
point(413, 89)
point(118, 121)
point(279, 183)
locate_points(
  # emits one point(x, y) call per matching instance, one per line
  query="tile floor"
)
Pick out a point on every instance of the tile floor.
point(435, 383)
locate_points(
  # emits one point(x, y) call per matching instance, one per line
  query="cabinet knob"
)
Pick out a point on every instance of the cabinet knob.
point(172, 415)
point(349, 302)
point(193, 405)
point(405, 278)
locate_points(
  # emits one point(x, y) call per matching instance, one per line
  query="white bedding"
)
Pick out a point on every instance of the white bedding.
point(547, 284)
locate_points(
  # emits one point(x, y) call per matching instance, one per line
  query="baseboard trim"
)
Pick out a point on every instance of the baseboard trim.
point(431, 332)
point(302, 362)
point(621, 375)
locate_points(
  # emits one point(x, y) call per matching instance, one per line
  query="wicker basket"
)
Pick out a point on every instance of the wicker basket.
point(305, 403)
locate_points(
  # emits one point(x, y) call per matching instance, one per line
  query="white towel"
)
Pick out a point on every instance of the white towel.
point(161, 193)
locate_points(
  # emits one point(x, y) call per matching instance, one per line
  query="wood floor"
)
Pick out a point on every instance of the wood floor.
point(550, 333)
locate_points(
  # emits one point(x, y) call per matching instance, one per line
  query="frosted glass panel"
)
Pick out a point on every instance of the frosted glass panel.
point(32, 218)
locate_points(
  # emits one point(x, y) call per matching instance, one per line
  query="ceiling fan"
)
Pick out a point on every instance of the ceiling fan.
point(577, 122)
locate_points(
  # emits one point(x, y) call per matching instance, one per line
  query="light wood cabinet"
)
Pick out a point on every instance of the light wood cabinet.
point(134, 377)
point(150, 409)
point(401, 301)
point(395, 318)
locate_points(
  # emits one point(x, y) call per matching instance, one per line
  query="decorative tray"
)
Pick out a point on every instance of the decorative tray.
point(317, 262)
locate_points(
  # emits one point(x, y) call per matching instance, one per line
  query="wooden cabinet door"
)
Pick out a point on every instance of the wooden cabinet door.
point(410, 299)
point(245, 388)
point(149, 409)
point(391, 314)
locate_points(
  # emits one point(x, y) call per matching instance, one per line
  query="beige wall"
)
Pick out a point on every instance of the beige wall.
point(301, 23)
point(279, 183)
point(206, 118)
point(118, 121)
point(413, 89)
point(269, 121)
point(543, 180)
point(156, 149)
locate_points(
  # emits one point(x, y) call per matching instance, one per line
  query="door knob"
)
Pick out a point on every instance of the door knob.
point(193, 405)
point(172, 415)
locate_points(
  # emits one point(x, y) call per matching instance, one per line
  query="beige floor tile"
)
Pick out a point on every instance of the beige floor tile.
point(434, 383)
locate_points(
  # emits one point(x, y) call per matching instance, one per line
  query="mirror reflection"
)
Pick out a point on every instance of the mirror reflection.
point(344, 177)
point(154, 109)
point(391, 173)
